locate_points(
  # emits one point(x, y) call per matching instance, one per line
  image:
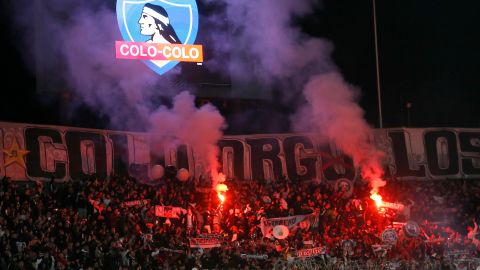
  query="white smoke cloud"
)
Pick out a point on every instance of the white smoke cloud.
point(333, 112)
point(264, 32)
point(200, 128)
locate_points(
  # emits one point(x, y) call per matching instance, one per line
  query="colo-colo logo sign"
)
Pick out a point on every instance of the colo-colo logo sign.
point(160, 32)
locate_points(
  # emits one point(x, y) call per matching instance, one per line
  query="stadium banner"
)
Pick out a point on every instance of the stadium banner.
point(178, 251)
point(291, 221)
point(394, 206)
point(41, 152)
point(311, 252)
point(135, 203)
point(169, 211)
point(254, 256)
point(267, 225)
point(205, 242)
point(210, 236)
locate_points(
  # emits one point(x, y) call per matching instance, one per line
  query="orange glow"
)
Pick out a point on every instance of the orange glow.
point(377, 198)
point(221, 197)
point(221, 188)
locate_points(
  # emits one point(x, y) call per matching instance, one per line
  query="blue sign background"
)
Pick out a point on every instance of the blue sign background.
point(183, 15)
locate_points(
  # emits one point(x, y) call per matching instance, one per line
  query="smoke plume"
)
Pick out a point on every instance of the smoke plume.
point(332, 111)
point(268, 47)
point(200, 128)
point(292, 61)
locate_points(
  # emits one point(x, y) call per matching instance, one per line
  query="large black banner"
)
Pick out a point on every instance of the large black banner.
point(40, 152)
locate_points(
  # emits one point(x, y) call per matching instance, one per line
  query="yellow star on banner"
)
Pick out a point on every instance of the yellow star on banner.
point(15, 154)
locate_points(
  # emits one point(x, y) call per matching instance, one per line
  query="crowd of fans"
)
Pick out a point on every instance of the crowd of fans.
point(89, 224)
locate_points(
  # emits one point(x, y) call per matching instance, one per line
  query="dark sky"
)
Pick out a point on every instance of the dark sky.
point(429, 55)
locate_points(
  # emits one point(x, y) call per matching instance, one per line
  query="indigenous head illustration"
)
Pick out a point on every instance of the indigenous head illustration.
point(154, 22)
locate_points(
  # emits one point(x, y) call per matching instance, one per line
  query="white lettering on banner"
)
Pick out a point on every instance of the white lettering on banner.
point(180, 53)
point(124, 49)
point(293, 220)
point(159, 51)
point(394, 206)
point(410, 154)
point(136, 50)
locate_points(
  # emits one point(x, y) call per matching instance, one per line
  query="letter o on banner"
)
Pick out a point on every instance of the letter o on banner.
point(134, 50)
point(157, 172)
point(176, 52)
point(194, 53)
point(183, 174)
point(152, 51)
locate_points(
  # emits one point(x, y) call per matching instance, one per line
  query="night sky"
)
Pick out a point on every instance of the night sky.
point(429, 57)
